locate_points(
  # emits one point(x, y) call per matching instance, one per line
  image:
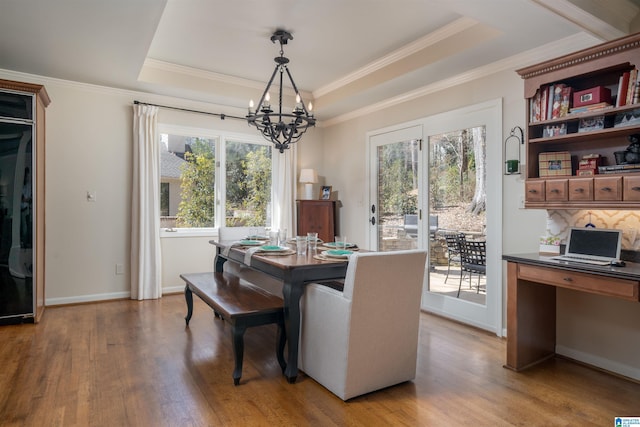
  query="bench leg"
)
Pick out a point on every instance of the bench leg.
point(238, 351)
point(188, 296)
point(281, 340)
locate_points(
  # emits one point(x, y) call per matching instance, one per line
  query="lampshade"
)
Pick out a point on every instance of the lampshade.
point(308, 176)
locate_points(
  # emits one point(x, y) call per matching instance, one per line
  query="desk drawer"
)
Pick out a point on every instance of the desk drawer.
point(596, 284)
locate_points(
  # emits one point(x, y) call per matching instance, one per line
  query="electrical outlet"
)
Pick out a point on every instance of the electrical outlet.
point(119, 269)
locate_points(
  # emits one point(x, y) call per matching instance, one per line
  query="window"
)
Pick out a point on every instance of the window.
point(209, 180)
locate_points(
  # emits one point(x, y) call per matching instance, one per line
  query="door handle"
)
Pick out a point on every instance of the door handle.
point(373, 220)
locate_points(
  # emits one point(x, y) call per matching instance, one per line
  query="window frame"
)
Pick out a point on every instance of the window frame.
point(220, 177)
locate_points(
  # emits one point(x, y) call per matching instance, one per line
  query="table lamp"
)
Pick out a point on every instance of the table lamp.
point(308, 177)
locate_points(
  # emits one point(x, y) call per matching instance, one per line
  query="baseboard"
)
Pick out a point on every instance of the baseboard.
point(87, 298)
point(173, 290)
point(632, 372)
point(106, 297)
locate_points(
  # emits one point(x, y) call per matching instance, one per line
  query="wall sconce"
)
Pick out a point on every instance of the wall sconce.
point(308, 177)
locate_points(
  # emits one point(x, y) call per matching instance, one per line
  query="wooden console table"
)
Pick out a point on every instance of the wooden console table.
point(532, 280)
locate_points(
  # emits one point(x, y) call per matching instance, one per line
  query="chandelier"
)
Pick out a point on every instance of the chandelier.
point(272, 123)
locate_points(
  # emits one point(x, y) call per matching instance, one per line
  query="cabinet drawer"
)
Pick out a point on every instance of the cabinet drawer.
point(581, 189)
point(534, 191)
point(631, 188)
point(607, 188)
point(556, 190)
point(602, 285)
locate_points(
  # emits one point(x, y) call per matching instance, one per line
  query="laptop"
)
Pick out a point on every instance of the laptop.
point(596, 246)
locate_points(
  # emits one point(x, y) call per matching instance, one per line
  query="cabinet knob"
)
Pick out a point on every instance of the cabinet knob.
point(579, 190)
point(606, 189)
point(555, 190)
point(567, 279)
point(635, 188)
point(533, 191)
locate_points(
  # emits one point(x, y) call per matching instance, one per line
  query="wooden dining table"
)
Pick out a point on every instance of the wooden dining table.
point(295, 271)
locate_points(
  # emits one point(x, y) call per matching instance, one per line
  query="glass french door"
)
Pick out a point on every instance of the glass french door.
point(437, 178)
point(394, 213)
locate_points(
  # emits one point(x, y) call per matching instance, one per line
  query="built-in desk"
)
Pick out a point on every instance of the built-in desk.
point(532, 280)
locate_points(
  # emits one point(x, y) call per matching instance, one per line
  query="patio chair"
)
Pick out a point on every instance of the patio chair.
point(453, 239)
point(473, 259)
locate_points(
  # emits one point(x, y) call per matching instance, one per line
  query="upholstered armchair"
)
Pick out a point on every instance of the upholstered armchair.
point(245, 273)
point(366, 337)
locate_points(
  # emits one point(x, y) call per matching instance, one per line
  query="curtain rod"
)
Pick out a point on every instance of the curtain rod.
point(222, 116)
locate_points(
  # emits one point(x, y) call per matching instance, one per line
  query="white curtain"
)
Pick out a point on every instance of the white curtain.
point(284, 190)
point(145, 205)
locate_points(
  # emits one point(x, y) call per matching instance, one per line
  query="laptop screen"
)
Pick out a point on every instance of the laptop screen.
point(594, 242)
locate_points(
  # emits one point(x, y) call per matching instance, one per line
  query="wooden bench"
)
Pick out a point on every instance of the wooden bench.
point(241, 304)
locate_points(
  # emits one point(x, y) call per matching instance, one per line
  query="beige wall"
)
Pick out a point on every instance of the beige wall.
point(89, 148)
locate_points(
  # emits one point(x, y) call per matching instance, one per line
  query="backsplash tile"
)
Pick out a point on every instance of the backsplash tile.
point(559, 221)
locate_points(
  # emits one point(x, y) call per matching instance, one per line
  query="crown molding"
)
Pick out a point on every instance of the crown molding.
point(155, 64)
point(449, 30)
point(539, 54)
point(132, 94)
point(589, 21)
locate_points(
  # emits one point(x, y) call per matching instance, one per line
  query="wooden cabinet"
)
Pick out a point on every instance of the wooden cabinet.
point(317, 216)
point(22, 200)
point(599, 66)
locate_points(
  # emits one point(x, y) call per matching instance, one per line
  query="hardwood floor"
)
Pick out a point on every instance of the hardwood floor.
point(130, 363)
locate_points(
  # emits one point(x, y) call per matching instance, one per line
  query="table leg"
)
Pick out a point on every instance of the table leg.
point(219, 262)
point(292, 294)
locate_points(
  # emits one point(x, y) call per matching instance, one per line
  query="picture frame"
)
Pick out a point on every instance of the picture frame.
point(325, 192)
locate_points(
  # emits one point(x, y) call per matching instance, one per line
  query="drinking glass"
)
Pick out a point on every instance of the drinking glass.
point(282, 236)
point(312, 238)
point(273, 237)
point(341, 242)
point(301, 245)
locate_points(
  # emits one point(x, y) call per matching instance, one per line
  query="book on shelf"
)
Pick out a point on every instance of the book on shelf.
point(633, 77)
point(592, 107)
point(543, 102)
point(623, 86)
point(627, 118)
point(565, 101)
point(624, 168)
point(557, 99)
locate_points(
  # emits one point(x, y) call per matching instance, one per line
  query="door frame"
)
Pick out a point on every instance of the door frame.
point(490, 316)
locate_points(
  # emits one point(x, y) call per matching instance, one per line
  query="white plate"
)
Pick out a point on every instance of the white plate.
point(251, 242)
point(273, 248)
point(333, 245)
point(342, 254)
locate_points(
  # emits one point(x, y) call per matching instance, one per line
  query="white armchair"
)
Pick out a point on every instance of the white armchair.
point(366, 337)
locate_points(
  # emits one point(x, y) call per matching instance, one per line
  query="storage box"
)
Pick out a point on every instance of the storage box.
point(591, 96)
point(554, 164)
point(590, 162)
point(586, 172)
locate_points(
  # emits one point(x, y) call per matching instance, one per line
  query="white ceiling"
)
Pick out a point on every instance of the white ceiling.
point(347, 55)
